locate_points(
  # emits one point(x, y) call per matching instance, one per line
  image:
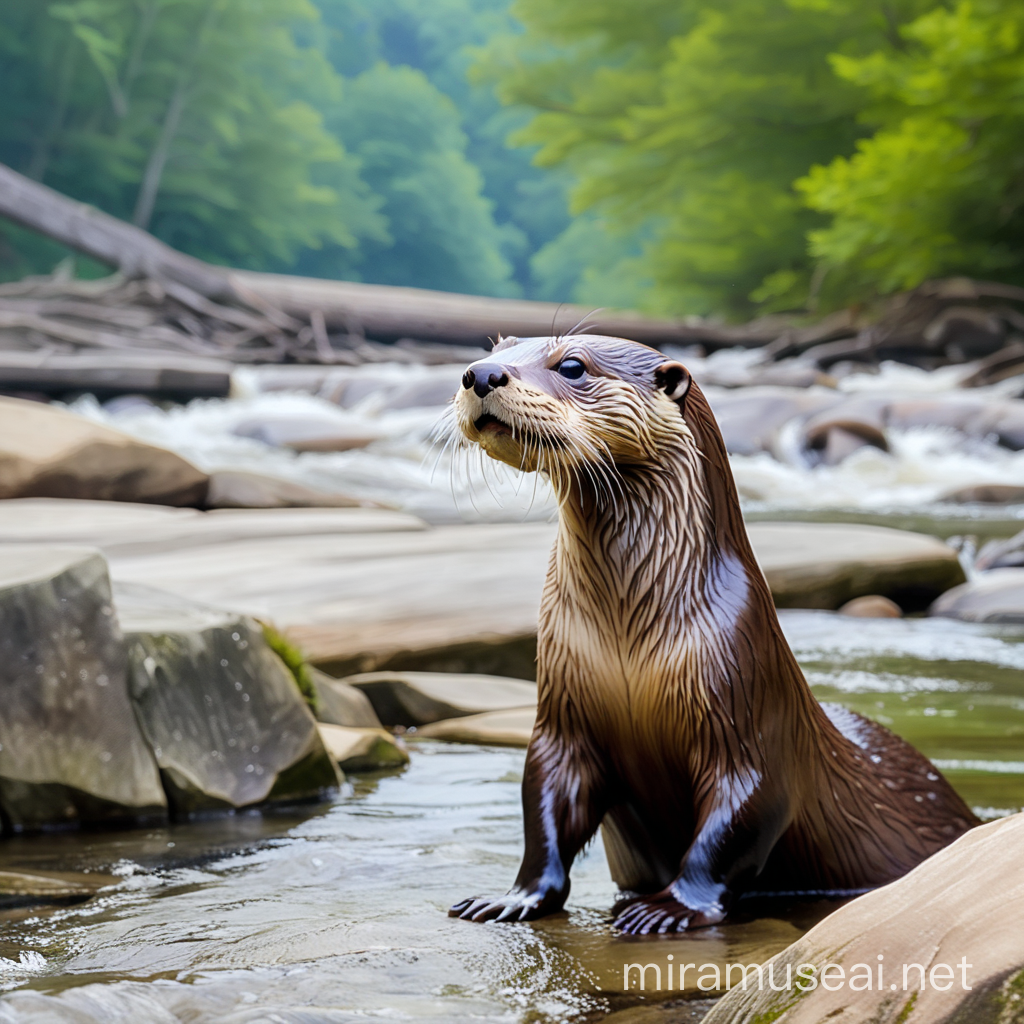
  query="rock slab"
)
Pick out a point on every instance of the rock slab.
point(511, 728)
point(48, 452)
point(223, 715)
point(419, 698)
point(963, 905)
point(71, 751)
point(824, 565)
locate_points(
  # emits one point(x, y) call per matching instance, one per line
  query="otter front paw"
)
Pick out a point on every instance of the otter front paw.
point(661, 913)
point(517, 905)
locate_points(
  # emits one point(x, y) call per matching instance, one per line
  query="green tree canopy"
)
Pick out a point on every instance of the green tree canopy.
point(939, 188)
point(692, 120)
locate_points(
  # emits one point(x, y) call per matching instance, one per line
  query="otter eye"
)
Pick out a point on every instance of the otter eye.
point(573, 369)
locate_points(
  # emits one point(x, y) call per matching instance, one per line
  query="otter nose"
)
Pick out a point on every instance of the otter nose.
point(484, 378)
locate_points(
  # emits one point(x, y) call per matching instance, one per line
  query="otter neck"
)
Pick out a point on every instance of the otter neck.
point(642, 534)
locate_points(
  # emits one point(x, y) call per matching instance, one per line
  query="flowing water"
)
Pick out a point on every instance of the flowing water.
point(336, 913)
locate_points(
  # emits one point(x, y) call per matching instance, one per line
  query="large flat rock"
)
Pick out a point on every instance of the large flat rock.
point(824, 565)
point(963, 905)
point(512, 728)
point(50, 452)
point(994, 596)
point(418, 698)
point(223, 715)
point(71, 751)
point(364, 590)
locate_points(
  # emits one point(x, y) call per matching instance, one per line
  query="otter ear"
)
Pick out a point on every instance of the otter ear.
point(674, 379)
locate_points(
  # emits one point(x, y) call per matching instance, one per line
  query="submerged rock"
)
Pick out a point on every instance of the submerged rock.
point(339, 703)
point(48, 452)
point(418, 698)
point(71, 751)
point(962, 906)
point(223, 715)
point(360, 750)
point(995, 596)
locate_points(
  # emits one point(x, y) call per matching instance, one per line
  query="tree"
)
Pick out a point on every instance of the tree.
point(191, 117)
point(690, 121)
point(939, 188)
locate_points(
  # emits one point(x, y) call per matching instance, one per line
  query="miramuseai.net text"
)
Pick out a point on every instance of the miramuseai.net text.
point(673, 977)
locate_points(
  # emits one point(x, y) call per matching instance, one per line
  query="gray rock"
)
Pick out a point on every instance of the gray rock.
point(71, 751)
point(417, 698)
point(339, 703)
point(50, 452)
point(236, 488)
point(223, 715)
point(751, 418)
point(995, 596)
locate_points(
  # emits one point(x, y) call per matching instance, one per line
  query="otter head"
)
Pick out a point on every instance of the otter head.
point(560, 405)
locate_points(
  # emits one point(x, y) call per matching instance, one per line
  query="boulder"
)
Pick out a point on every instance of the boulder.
point(71, 751)
point(418, 698)
point(223, 715)
point(872, 606)
point(962, 906)
point(339, 703)
point(751, 418)
point(236, 488)
point(361, 750)
point(511, 728)
point(994, 596)
point(50, 452)
point(824, 565)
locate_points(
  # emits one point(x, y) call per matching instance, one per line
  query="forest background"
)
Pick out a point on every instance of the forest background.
point(678, 156)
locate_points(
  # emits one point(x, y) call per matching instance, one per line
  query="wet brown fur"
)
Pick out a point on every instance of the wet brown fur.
point(671, 710)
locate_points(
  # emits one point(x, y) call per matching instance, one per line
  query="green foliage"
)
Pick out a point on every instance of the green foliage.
point(295, 663)
point(690, 121)
point(191, 117)
point(939, 188)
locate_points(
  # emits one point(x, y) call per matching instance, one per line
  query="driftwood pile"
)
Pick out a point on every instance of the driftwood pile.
point(951, 321)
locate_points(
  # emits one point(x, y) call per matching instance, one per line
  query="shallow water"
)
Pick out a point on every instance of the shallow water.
point(337, 913)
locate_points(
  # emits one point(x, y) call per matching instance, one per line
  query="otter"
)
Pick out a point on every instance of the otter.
point(671, 711)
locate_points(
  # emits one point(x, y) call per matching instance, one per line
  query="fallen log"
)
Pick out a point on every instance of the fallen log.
point(157, 375)
point(294, 306)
